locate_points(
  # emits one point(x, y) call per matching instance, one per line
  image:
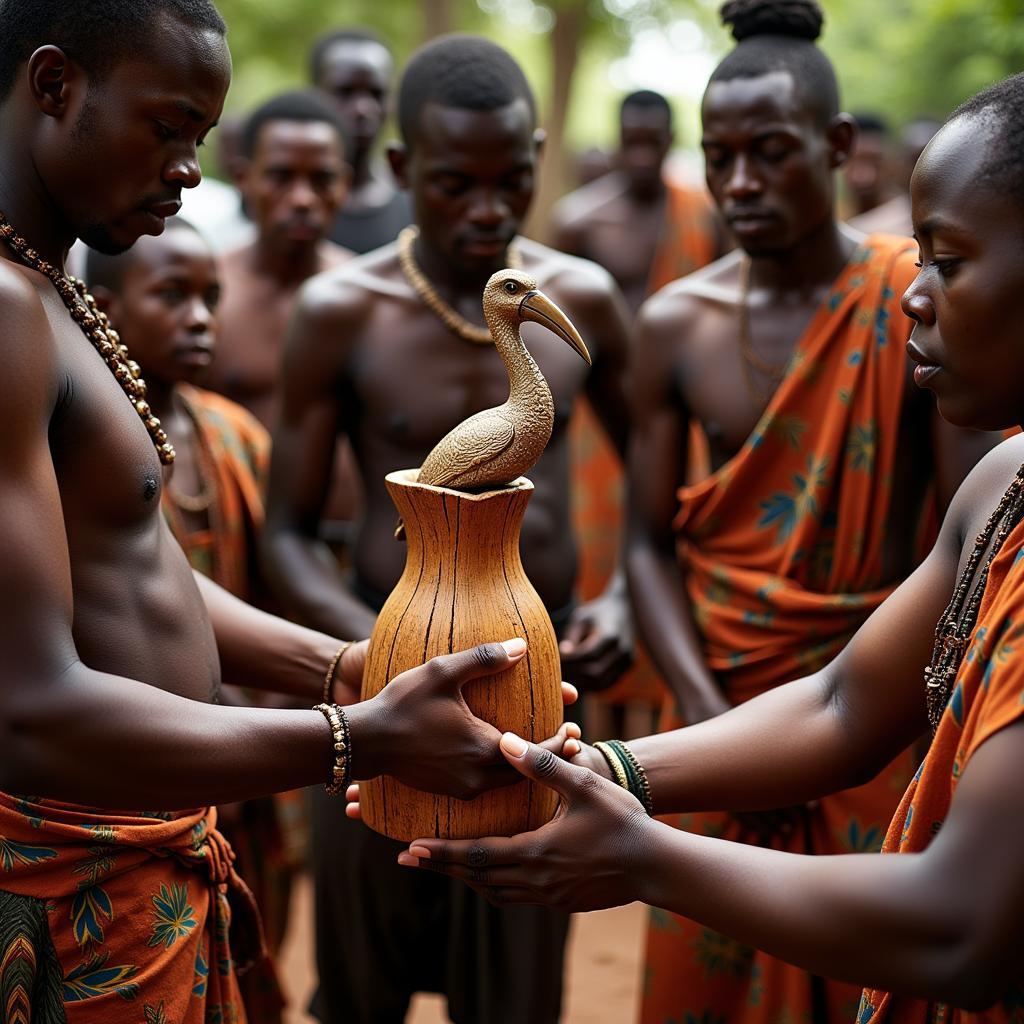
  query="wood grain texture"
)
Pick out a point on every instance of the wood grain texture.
point(463, 585)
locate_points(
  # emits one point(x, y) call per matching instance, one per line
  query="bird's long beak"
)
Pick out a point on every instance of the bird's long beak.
point(536, 306)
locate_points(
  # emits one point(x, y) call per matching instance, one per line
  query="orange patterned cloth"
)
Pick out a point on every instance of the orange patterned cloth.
point(988, 696)
point(233, 456)
point(782, 549)
point(688, 242)
point(139, 908)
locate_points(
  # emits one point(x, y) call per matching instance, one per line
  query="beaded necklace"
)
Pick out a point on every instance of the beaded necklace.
point(96, 327)
point(953, 632)
point(455, 322)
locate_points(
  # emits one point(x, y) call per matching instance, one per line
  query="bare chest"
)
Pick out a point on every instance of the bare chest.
point(730, 371)
point(250, 343)
point(415, 385)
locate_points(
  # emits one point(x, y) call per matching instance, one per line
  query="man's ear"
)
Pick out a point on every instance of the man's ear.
point(240, 167)
point(842, 137)
point(107, 302)
point(398, 158)
point(53, 79)
point(539, 138)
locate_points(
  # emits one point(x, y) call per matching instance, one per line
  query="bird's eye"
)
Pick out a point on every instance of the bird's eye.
point(511, 287)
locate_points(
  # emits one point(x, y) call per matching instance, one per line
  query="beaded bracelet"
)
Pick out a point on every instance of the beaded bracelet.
point(333, 667)
point(341, 770)
point(627, 770)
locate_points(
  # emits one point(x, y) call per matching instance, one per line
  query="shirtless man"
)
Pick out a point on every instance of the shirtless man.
point(354, 68)
point(790, 354)
point(368, 358)
point(294, 178)
point(113, 651)
point(623, 219)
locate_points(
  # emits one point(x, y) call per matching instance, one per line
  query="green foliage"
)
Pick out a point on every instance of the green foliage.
point(906, 58)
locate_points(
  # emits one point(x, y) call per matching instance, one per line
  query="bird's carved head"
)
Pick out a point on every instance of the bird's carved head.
point(513, 295)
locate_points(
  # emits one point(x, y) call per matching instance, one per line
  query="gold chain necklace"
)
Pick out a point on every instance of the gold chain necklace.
point(752, 360)
point(455, 322)
point(96, 327)
point(953, 632)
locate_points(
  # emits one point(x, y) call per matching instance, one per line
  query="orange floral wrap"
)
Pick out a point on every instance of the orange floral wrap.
point(782, 549)
point(988, 696)
point(139, 907)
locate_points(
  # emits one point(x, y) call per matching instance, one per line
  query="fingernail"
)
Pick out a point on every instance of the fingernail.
point(420, 851)
point(513, 744)
point(407, 860)
point(573, 730)
point(515, 648)
point(565, 646)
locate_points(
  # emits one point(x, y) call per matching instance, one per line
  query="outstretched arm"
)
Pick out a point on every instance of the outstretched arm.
point(908, 924)
point(304, 574)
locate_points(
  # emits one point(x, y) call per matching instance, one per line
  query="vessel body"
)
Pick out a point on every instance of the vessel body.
point(463, 585)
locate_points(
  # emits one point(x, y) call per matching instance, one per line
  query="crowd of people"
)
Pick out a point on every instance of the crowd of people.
point(779, 526)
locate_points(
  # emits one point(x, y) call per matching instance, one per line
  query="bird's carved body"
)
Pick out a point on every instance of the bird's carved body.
point(495, 446)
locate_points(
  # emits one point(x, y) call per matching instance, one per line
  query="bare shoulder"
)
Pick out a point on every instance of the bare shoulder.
point(28, 390)
point(333, 255)
point(983, 488)
point(28, 333)
point(340, 301)
point(570, 278)
point(578, 209)
point(679, 307)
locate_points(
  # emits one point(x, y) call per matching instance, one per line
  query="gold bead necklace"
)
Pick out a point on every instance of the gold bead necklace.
point(455, 322)
point(96, 327)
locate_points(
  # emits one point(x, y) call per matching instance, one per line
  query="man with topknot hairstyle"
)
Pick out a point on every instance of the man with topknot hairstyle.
point(825, 458)
point(368, 359)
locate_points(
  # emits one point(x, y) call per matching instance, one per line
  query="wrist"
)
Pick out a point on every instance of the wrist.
point(652, 858)
point(372, 740)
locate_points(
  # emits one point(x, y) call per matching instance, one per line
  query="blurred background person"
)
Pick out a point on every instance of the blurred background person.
point(646, 229)
point(893, 216)
point(355, 70)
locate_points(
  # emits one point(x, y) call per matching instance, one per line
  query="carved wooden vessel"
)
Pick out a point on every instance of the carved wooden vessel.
point(463, 585)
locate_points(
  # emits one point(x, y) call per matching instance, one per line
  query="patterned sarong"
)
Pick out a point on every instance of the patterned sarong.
point(234, 449)
point(121, 916)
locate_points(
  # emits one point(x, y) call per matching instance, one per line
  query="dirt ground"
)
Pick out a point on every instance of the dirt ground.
point(602, 982)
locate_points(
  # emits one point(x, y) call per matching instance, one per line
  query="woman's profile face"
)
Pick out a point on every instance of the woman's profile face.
point(968, 298)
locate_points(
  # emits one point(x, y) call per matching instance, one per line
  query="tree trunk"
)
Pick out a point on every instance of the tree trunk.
point(438, 18)
point(565, 41)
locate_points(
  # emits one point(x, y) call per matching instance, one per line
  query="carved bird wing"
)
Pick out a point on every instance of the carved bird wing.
point(467, 455)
